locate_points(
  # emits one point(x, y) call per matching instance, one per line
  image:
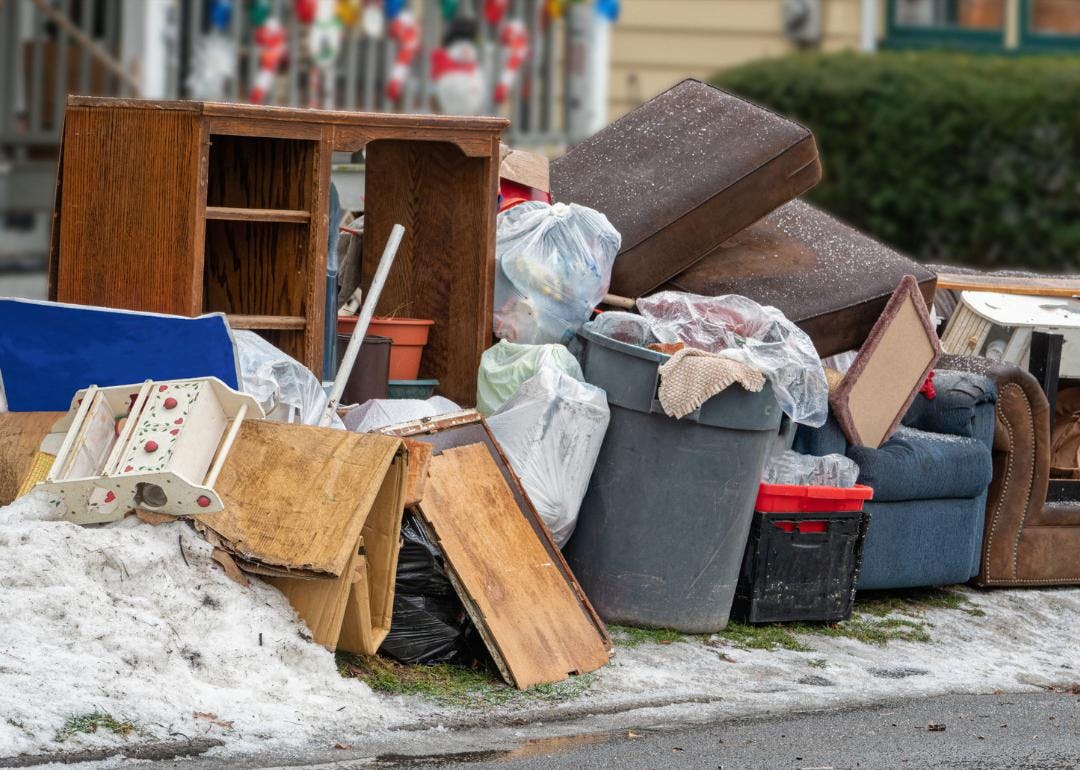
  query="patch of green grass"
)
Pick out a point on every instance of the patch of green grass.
point(914, 602)
point(765, 637)
point(454, 685)
point(817, 662)
point(92, 722)
point(629, 637)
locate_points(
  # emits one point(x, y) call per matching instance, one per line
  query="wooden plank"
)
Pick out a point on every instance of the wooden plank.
point(266, 321)
point(1035, 286)
point(235, 214)
point(351, 129)
point(520, 602)
point(419, 467)
point(21, 434)
point(297, 497)
point(445, 269)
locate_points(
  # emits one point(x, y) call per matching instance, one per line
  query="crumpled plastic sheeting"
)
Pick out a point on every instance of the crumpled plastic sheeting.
point(630, 328)
point(284, 387)
point(505, 366)
point(382, 412)
point(760, 336)
point(554, 266)
point(551, 432)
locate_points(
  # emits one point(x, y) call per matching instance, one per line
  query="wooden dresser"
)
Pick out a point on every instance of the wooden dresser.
point(194, 207)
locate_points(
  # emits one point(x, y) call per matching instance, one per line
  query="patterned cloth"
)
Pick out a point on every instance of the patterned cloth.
point(692, 377)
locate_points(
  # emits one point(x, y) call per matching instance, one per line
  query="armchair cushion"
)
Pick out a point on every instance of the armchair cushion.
point(954, 410)
point(918, 465)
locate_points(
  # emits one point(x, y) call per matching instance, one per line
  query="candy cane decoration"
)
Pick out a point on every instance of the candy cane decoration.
point(514, 37)
point(270, 36)
point(406, 33)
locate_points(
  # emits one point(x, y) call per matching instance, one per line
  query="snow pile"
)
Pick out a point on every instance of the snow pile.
point(1016, 641)
point(138, 622)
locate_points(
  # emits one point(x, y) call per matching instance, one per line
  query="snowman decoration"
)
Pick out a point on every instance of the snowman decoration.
point(455, 71)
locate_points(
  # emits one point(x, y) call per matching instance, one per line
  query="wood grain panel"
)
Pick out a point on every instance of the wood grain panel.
point(258, 268)
point(260, 173)
point(445, 269)
point(129, 231)
point(518, 599)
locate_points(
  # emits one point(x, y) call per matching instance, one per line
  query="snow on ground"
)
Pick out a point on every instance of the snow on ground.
point(114, 619)
point(1024, 641)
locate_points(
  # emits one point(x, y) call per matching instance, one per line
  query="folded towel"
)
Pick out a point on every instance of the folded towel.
point(691, 377)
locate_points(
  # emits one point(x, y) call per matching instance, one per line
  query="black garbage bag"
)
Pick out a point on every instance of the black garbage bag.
point(429, 624)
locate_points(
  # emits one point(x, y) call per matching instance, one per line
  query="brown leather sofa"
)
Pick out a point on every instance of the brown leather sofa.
point(1028, 541)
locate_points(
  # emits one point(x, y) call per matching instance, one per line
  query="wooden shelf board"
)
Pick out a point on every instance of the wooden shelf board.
point(286, 322)
point(258, 215)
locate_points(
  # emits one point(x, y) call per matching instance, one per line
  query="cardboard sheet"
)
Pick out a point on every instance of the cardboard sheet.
point(297, 498)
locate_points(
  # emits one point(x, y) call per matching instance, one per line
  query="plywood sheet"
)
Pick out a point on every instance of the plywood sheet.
point(21, 434)
point(527, 612)
point(889, 369)
point(298, 497)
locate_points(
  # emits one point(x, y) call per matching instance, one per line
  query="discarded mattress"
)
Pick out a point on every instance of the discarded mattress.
point(681, 174)
point(831, 279)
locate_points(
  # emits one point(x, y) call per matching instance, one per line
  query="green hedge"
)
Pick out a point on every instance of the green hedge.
point(965, 159)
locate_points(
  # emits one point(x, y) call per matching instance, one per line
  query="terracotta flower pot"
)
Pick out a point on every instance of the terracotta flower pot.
point(409, 336)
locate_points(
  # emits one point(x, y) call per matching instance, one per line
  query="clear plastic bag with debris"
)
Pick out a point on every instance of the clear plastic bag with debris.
point(790, 467)
point(758, 335)
point(285, 388)
point(630, 328)
point(553, 267)
point(506, 365)
point(379, 413)
point(551, 432)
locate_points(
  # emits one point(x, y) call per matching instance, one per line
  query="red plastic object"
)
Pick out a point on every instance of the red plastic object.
point(409, 336)
point(792, 498)
point(513, 193)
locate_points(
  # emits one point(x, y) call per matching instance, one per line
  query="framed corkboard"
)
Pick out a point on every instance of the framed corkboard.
point(889, 370)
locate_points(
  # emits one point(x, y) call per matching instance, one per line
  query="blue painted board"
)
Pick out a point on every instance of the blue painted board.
point(49, 350)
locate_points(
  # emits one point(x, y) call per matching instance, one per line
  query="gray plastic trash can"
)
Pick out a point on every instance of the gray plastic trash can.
point(662, 530)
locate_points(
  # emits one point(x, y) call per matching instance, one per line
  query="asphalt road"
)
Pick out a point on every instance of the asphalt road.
point(1039, 730)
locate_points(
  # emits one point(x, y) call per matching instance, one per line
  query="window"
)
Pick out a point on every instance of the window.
point(978, 24)
point(1050, 25)
point(985, 25)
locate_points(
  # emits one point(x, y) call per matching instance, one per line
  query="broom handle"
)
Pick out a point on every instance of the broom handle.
point(368, 310)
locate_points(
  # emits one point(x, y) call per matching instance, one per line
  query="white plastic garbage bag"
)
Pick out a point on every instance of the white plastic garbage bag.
point(758, 335)
point(554, 266)
point(382, 412)
point(284, 387)
point(551, 432)
point(505, 366)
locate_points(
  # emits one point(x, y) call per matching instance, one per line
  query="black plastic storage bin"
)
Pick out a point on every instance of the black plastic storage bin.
point(802, 565)
point(662, 529)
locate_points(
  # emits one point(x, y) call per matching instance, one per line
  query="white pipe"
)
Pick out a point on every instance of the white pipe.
point(368, 310)
point(868, 26)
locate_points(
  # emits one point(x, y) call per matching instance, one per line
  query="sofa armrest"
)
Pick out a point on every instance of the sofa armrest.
point(1021, 463)
point(958, 408)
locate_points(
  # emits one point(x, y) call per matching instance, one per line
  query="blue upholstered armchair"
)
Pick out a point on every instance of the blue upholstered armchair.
point(930, 482)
